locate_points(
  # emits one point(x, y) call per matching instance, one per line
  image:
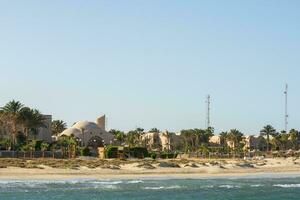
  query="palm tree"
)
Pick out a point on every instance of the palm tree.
point(154, 130)
point(132, 138)
point(58, 126)
point(31, 120)
point(44, 147)
point(168, 136)
point(71, 141)
point(235, 136)
point(188, 136)
point(119, 135)
point(11, 113)
point(223, 137)
point(267, 131)
point(294, 136)
point(31, 147)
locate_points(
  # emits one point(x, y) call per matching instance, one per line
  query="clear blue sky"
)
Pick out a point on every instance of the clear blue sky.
point(152, 63)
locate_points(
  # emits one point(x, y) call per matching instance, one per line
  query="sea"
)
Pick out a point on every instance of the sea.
point(261, 188)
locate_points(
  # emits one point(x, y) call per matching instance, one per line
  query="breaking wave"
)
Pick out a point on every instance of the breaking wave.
point(287, 185)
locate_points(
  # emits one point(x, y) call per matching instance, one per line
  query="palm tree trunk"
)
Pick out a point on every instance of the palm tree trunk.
point(268, 142)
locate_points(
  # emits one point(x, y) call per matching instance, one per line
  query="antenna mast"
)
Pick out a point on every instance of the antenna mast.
point(286, 116)
point(208, 112)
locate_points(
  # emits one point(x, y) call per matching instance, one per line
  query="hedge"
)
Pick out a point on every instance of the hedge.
point(153, 155)
point(165, 155)
point(139, 152)
point(85, 151)
point(111, 152)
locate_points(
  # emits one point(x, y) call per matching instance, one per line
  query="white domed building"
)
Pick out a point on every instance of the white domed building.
point(91, 134)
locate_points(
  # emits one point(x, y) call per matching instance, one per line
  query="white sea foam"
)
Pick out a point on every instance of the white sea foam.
point(256, 185)
point(106, 182)
point(229, 186)
point(106, 187)
point(135, 181)
point(163, 187)
point(207, 186)
point(287, 185)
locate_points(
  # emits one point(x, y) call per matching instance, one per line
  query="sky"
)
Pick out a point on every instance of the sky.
point(152, 63)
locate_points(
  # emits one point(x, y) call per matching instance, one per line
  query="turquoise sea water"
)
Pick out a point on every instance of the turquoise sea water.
point(208, 189)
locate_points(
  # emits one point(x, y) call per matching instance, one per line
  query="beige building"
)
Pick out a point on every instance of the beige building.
point(255, 143)
point(251, 142)
point(90, 133)
point(164, 141)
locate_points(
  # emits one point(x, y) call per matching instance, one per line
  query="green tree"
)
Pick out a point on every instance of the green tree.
point(31, 147)
point(188, 137)
point(154, 130)
point(58, 126)
point(267, 131)
point(44, 147)
point(119, 135)
point(134, 137)
point(71, 141)
point(223, 139)
point(11, 114)
point(31, 120)
point(294, 137)
point(235, 136)
point(284, 140)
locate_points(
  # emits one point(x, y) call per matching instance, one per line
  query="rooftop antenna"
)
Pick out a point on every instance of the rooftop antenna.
point(286, 116)
point(208, 112)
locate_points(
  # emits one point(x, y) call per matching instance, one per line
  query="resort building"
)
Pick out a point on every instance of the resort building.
point(255, 143)
point(251, 142)
point(164, 141)
point(92, 134)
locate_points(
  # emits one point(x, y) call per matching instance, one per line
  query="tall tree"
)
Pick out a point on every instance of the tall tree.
point(133, 138)
point(267, 131)
point(223, 138)
point(154, 130)
point(235, 136)
point(119, 135)
point(58, 126)
point(11, 113)
point(31, 120)
point(294, 137)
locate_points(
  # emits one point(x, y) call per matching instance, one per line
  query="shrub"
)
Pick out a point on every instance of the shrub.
point(153, 155)
point(139, 152)
point(85, 151)
point(38, 144)
point(166, 155)
point(111, 152)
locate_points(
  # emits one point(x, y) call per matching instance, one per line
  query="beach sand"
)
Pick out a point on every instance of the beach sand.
point(162, 169)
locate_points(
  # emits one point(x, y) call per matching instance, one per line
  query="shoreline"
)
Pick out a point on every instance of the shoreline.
point(13, 169)
point(18, 174)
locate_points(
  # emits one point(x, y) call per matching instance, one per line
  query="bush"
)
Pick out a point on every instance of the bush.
point(153, 155)
point(165, 155)
point(111, 152)
point(85, 151)
point(139, 152)
point(38, 144)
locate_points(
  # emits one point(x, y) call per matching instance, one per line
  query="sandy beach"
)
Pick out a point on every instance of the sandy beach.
point(161, 169)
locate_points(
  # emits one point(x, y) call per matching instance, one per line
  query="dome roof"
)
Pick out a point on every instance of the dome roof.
point(70, 131)
point(85, 125)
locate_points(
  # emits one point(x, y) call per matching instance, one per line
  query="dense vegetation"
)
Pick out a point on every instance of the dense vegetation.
point(19, 126)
